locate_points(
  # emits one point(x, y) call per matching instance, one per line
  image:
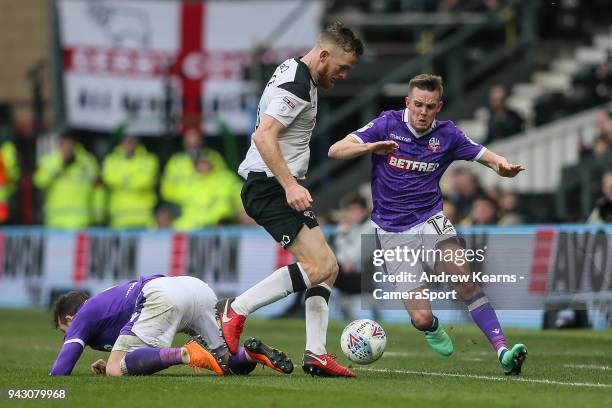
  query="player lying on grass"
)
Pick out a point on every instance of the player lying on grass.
point(137, 322)
point(411, 150)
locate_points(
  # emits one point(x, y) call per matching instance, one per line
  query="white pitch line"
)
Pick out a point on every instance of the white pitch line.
point(492, 353)
point(587, 366)
point(399, 354)
point(485, 377)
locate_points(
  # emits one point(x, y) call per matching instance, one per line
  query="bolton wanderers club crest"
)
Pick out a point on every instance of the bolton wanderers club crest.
point(434, 144)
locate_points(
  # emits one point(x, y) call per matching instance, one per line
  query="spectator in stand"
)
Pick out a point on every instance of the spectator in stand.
point(603, 76)
point(348, 248)
point(165, 215)
point(180, 169)
point(130, 173)
point(509, 213)
point(451, 212)
point(9, 176)
point(465, 188)
point(484, 212)
point(68, 179)
point(503, 121)
point(211, 198)
point(602, 213)
point(602, 148)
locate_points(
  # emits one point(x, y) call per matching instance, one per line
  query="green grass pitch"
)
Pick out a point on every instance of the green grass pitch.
point(565, 369)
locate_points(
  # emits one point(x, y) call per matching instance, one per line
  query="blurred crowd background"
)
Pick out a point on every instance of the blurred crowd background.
point(510, 68)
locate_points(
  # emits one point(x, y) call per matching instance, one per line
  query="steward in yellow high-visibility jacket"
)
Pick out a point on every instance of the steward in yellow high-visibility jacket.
point(130, 174)
point(9, 176)
point(67, 177)
point(180, 169)
point(214, 197)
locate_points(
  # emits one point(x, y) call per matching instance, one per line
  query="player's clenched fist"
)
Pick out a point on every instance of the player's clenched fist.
point(298, 197)
point(383, 148)
point(99, 367)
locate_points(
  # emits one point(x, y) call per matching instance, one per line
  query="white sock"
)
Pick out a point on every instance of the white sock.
point(317, 319)
point(276, 286)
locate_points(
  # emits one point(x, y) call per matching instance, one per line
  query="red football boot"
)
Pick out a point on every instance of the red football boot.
point(324, 365)
point(231, 324)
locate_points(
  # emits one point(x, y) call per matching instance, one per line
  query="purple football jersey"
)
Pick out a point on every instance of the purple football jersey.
point(101, 318)
point(405, 184)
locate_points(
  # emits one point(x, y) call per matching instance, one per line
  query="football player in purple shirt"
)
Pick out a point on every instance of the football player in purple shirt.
point(411, 150)
point(137, 322)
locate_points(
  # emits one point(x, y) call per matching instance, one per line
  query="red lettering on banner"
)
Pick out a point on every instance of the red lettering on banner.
point(112, 61)
point(150, 64)
point(81, 257)
point(179, 254)
point(541, 260)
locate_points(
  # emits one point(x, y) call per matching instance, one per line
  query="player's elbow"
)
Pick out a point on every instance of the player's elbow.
point(333, 152)
point(259, 138)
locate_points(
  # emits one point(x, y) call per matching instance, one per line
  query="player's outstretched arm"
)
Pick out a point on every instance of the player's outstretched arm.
point(68, 356)
point(500, 165)
point(349, 148)
point(266, 140)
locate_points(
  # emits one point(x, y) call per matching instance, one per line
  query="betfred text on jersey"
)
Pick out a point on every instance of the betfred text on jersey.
point(406, 164)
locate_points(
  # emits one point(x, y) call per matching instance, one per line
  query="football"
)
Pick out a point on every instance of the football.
point(363, 341)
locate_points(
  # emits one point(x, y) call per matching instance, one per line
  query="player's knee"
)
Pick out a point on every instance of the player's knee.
point(335, 269)
point(329, 268)
point(467, 290)
point(320, 271)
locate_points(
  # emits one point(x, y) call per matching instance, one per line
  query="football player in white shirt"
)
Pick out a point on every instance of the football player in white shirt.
point(272, 194)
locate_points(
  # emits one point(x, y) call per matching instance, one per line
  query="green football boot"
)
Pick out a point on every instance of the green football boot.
point(512, 360)
point(440, 341)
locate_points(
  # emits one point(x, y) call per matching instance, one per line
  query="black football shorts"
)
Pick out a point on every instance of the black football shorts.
point(264, 200)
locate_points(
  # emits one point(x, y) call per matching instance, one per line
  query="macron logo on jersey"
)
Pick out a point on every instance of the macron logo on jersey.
point(405, 164)
point(400, 138)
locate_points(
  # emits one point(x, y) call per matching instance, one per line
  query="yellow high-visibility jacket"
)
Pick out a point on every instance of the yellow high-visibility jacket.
point(131, 187)
point(179, 172)
point(212, 198)
point(68, 189)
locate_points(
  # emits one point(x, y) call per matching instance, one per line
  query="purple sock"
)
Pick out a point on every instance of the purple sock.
point(485, 318)
point(151, 360)
point(239, 364)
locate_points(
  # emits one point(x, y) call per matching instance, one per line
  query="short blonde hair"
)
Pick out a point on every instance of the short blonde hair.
point(426, 82)
point(341, 36)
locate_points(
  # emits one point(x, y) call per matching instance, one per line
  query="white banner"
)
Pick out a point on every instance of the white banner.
point(35, 262)
point(572, 262)
point(120, 57)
